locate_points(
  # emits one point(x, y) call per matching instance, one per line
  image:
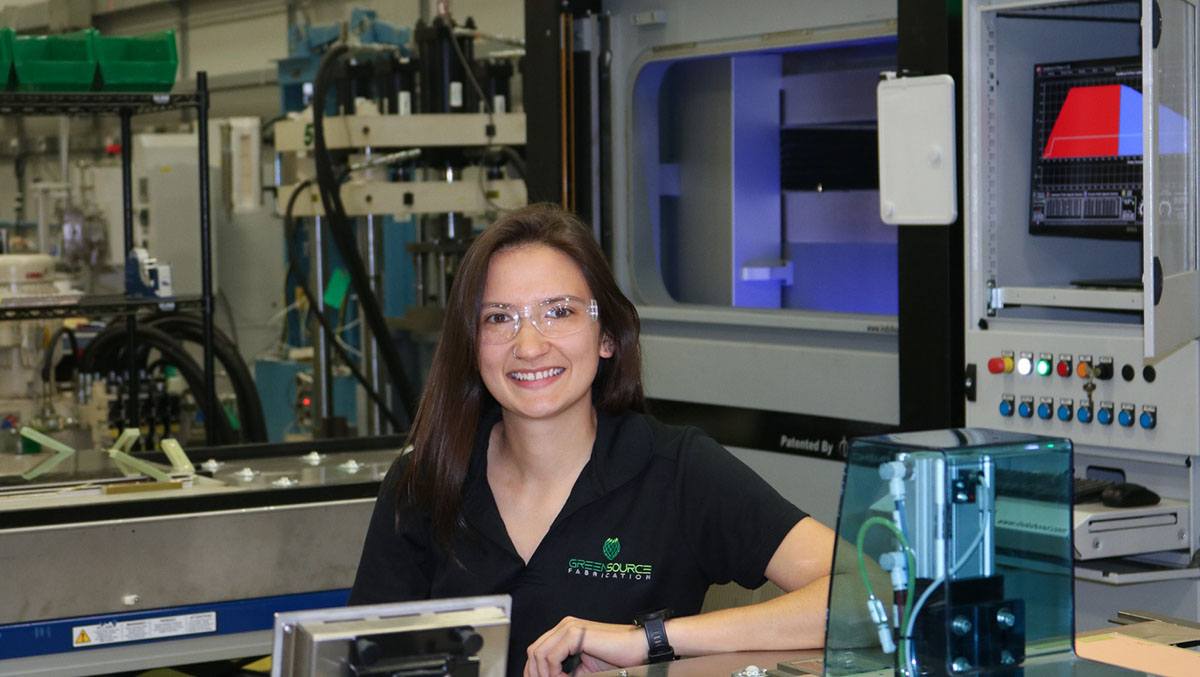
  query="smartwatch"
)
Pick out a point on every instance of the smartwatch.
point(655, 625)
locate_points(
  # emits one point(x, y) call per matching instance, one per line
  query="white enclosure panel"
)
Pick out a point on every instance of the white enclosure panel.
point(851, 384)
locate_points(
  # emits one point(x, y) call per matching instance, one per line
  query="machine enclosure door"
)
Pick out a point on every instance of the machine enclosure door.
point(1170, 281)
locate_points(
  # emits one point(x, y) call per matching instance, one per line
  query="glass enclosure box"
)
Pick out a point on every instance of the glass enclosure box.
point(954, 555)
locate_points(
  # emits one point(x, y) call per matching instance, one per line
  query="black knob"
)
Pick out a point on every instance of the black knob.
point(470, 640)
point(367, 651)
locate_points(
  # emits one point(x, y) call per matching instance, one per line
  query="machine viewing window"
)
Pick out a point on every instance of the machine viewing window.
point(1087, 154)
point(763, 175)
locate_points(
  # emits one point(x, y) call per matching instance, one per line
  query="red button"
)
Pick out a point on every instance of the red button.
point(996, 365)
point(1064, 369)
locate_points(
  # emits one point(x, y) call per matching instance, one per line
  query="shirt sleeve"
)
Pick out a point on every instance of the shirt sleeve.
point(396, 556)
point(734, 520)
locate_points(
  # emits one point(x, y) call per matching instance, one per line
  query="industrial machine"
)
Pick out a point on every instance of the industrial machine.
point(956, 545)
point(1079, 136)
point(184, 563)
point(438, 160)
point(733, 185)
point(423, 140)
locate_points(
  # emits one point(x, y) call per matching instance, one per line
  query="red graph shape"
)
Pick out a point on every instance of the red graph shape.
point(1089, 124)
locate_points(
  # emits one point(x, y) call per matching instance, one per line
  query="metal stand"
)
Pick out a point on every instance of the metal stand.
point(126, 106)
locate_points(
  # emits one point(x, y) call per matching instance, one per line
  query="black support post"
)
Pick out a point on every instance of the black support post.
point(544, 97)
point(931, 257)
point(132, 377)
point(206, 282)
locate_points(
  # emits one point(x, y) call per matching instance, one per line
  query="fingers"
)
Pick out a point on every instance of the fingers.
point(545, 656)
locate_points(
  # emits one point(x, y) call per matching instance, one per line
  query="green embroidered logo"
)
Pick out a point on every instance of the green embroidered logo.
point(612, 548)
point(627, 571)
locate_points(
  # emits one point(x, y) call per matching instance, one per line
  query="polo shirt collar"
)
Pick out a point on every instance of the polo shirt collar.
point(622, 449)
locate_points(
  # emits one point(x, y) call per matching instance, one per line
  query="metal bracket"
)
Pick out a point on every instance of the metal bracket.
point(765, 270)
point(995, 298)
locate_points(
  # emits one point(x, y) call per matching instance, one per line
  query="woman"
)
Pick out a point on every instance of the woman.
point(535, 474)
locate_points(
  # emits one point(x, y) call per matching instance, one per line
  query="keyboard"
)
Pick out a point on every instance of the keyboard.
point(1037, 486)
point(1088, 490)
point(1046, 487)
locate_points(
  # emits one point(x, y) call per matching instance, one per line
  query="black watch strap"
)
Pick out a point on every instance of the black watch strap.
point(655, 625)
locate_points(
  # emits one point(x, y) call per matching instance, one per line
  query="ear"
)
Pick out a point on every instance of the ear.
point(607, 346)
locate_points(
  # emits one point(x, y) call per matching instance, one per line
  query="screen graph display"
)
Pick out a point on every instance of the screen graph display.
point(1087, 149)
point(1098, 121)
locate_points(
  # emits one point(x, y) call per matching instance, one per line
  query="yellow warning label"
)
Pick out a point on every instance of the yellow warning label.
point(115, 632)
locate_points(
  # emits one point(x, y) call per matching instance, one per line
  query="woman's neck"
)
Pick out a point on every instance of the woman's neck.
point(544, 450)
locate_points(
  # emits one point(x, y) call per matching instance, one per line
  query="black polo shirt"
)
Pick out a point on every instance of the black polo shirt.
point(657, 515)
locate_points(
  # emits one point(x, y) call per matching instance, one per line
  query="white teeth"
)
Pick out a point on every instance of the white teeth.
point(537, 375)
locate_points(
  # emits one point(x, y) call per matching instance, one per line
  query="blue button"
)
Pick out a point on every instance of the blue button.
point(1148, 420)
point(1084, 414)
point(1044, 411)
point(1104, 416)
point(1125, 418)
point(1025, 409)
point(1064, 413)
point(1006, 408)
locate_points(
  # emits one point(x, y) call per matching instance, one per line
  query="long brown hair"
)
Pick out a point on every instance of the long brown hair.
point(447, 421)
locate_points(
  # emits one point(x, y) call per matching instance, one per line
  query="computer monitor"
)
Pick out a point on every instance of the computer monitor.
point(1087, 149)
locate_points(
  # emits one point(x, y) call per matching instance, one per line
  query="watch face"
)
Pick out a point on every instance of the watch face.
point(661, 614)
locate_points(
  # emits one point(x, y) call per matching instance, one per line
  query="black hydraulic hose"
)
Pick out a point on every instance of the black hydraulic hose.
point(344, 239)
point(513, 157)
point(48, 357)
point(289, 225)
point(106, 350)
point(191, 328)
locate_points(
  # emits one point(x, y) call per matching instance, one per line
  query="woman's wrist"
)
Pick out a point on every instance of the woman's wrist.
point(655, 638)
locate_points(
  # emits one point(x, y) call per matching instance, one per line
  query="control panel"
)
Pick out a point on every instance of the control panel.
point(1096, 390)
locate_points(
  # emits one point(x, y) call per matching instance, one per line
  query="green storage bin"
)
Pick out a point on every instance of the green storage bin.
point(55, 63)
point(6, 54)
point(142, 63)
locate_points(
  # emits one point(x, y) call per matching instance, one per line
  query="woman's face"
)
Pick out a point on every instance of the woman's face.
point(535, 376)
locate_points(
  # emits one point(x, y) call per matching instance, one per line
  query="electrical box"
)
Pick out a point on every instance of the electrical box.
point(167, 205)
point(917, 169)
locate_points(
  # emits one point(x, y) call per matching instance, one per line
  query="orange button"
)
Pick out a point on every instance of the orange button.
point(1083, 368)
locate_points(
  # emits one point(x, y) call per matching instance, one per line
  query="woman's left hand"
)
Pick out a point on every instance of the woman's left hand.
point(601, 646)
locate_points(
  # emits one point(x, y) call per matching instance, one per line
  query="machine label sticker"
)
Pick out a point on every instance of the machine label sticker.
point(143, 628)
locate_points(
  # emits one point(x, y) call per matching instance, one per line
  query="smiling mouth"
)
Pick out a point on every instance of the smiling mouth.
point(530, 376)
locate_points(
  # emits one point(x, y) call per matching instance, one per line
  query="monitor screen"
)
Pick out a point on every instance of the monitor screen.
point(1087, 149)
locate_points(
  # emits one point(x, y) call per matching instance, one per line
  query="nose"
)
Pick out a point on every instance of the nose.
point(529, 342)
